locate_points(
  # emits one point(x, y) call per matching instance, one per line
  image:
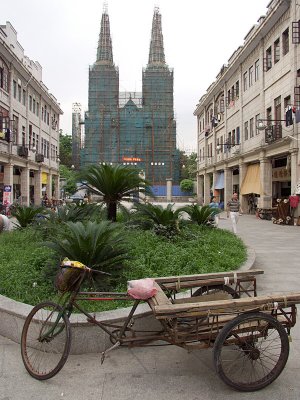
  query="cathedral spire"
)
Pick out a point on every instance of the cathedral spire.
point(104, 51)
point(156, 53)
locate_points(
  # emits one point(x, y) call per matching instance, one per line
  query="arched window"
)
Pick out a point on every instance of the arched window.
point(3, 76)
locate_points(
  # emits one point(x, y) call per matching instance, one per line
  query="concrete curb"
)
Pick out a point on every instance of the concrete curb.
point(86, 337)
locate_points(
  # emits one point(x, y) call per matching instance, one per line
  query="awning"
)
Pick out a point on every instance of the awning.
point(220, 181)
point(251, 182)
point(44, 178)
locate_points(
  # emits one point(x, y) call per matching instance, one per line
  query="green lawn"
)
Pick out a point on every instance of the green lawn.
point(27, 267)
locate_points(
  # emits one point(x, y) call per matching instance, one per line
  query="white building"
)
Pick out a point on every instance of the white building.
point(258, 88)
point(29, 126)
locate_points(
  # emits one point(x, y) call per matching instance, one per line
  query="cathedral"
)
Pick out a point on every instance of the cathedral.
point(132, 128)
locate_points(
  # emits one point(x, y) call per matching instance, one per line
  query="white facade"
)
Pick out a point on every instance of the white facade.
point(29, 125)
point(260, 81)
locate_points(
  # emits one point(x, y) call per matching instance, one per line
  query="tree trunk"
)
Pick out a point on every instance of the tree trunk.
point(112, 211)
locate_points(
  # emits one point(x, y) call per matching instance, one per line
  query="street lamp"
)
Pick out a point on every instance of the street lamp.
point(263, 124)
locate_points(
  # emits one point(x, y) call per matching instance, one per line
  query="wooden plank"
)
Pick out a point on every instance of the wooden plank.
point(205, 282)
point(160, 298)
point(283, 299)
point(230, 274)
point(206, 297)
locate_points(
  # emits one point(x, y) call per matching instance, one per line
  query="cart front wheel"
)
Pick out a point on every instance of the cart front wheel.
point(251, 351)
point(45, 340)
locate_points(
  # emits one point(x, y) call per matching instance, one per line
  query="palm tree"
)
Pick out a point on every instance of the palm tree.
point(26, 215)
point(97, 245)
point(164, 221)
point(200, 215)
point(113, 182)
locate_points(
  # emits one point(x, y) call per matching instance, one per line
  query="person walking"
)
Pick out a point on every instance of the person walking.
point(233, 210)
point(215, 206)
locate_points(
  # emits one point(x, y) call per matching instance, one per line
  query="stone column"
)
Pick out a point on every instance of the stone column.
point(8, 179)
point(49, 185)
point(25, 187)
point(242, 174)
point(38, 187)
point(169, 189)
point(265, 200)
point(200, 189)
point(56, 193)
point(227, 185)
point(206, 199)
point(294, 175)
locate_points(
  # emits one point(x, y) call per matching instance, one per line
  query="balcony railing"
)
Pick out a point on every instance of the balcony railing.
point(273, 133)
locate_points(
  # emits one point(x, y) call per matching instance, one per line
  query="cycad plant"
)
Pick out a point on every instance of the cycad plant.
point(200, 215)
point(113, 182)
point(163, 221)
point(26, 215)
point(97, 245)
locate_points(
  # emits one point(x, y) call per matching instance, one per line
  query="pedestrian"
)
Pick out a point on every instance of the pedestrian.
point(215, 206)
point(233, 210)
point(4, 223)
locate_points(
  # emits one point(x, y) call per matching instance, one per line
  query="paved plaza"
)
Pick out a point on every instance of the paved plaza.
point(168, 372)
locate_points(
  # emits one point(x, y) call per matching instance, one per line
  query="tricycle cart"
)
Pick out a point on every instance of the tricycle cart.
point(249, 334)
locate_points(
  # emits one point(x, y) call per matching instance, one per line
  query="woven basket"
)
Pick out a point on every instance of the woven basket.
point(67, 278)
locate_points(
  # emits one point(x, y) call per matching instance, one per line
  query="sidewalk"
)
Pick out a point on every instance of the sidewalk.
point(170, 373)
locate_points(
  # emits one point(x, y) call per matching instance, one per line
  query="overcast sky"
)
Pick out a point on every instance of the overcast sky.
point(199, 37)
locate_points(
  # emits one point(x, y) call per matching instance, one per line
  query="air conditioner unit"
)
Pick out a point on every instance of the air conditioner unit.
point(39, 157)
point(23, 151)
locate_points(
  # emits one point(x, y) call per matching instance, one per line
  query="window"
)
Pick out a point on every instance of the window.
point(251, 76)
point(15, 89)
point(37, 143)
point(47, 118)
point(19, 93)
point(15, 130)
point(287, 101)
point(3, 76)
point(276, 51)
point(256, 70)
point(285, 42)
point(268, 58)
point(37, 108)
point(228, 97)
point(33, 106)
point(238, 135)
point(30, 103)
point(23, 136)
point(269, 115)
point(257, 118)
point(251, 128)
point(233, 141)
point(24, 98)
point(246, 130)
point(30, 136)
point(42, 113)
point(277, 108)
point(237, 89)
point(245, 81)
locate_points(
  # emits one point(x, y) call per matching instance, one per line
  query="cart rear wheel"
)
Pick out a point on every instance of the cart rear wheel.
point(216, 289)
point(45, 340)
point(251, 351)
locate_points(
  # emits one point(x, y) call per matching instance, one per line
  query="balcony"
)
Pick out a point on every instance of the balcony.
point(273, 133)
point(23, 151)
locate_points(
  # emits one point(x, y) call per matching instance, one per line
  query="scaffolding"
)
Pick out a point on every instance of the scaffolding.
point(135, 128)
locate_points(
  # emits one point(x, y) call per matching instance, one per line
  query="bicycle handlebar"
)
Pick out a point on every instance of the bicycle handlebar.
point(87, 269)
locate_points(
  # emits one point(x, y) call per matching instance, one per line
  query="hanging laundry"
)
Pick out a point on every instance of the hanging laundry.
point(7, 135)
point(288, 116)
point(214, 121)
point(297, 115)
point(294, 200)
